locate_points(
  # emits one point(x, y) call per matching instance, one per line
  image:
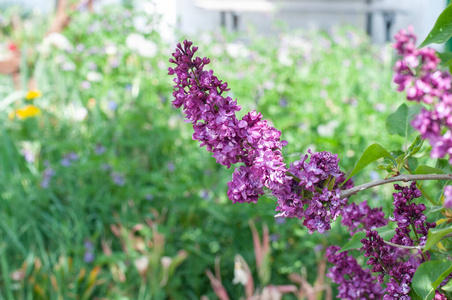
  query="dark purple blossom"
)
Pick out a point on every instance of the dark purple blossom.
point(354, 215)
point(315, 193)
point(397, 263)
point(408, 216)
point(246, 185)
point(384, 260)
point(354, 281)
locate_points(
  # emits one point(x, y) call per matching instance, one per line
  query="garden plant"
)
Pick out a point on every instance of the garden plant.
point(104, 196)
point(409, 256)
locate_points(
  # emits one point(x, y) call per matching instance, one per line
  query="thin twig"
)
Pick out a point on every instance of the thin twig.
point(403, 177)
point(404, 247)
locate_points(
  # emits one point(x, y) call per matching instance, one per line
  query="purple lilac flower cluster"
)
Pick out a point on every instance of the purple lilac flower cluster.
point(396, 262)
point(354, 215)
point(354, 282)
point(384, 260)
point(312, 199)
point(254, 143)
point(250, 141)
point(417, 73)
point(439, 296)
point(408, 214)
point(448, 196)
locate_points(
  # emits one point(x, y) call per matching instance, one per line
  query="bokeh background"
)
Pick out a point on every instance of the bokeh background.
point(103, 193)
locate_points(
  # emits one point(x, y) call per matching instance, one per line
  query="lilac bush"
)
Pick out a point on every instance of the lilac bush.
point(313, 188)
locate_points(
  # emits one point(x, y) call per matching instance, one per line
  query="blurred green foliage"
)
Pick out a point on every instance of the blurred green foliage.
point(107, 149)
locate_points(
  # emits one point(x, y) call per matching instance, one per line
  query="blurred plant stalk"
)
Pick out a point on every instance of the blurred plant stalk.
point(266, 291)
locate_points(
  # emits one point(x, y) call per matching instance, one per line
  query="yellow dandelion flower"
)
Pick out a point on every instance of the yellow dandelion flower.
point(33, 94)
point(27, 112)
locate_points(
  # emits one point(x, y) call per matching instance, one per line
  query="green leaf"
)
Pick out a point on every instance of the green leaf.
point(442, 30)
point(448, 287)
point(412, 163)
point(429, 275)
point(354, 242)
point(386, 233)
point(435, 235)
point(415, 146)
point(444, 165)
point(446, 58)
point(414, 296)
point(399, 122)
point(423, 169)
point(385, 166)
point(400, 159)
point(371, 154)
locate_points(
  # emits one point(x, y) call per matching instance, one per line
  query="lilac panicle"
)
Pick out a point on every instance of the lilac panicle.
point(250, 141)
point(255, 144)
point(384, 260)
point(418, 75)
point(354, 282)
point(310, 198)
point(448, 197)
point(399, 264)
point(353, 216)
point(439, 296)
point(212, 115)
point(408, 214)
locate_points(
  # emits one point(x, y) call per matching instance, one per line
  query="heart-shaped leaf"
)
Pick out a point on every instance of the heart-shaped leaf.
point(435, 235)
point(442, 30)
point(371, 154)
point(399, 122)
point(428, 277)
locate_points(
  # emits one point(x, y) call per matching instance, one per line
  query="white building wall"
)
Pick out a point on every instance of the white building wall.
point(419, 13)
point(186, 17)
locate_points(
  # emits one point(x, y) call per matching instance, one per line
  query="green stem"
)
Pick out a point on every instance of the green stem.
point(418, 241)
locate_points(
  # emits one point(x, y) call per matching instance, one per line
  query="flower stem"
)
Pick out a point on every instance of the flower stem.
point(402, 177)
point(418, 240)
